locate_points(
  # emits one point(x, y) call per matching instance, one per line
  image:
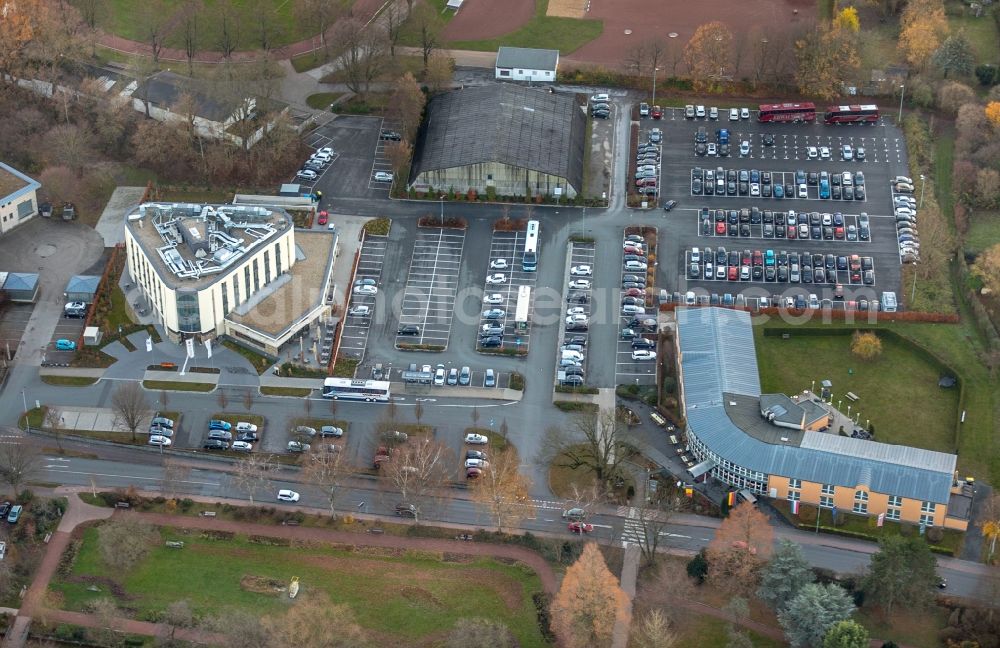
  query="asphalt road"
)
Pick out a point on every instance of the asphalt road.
point(689, 533)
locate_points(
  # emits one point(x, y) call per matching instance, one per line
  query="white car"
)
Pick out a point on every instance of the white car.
point(577, 319)
point(847, 152)
point(824, 153)
point(159, 440)
point(643, 354)
point(499, 264)
point(306, 174)
point(243, 426)
point(576, 310)
point(241, 446)
point(699, 112)
point(359, 311)
point(902, 179)
point(803, 191)
point(581, 271)
point(494, 279)
point(744, 147)
point(734, 114)
point(476, 439)
point(365, 290)
point(383, 176)
point(712, 149)
point(811, 152)
point(495, 298)
point(439, 377)
point(326, 150)
point(745, 113)
point(754, 189)
point(288, 496)
point(476, 463)
point(580, 284)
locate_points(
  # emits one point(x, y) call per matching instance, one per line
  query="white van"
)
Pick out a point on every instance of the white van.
point(635, 265)
point(689, 298)
point(629, 309)
point(572, 355)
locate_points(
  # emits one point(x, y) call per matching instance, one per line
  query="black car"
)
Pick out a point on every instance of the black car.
point(696, 186)
point(601, 114)
point(643, 343)
point(670, 204)
point(578, 298)
point(390, 135)
point(408, 329)
point(247, 436)
point(216, 444)
point(491, 342)
point(768, 139)
point(577, 339)
point(4, 509)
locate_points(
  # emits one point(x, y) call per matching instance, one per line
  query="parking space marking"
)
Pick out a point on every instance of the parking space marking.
point(431, 286)
point(508, 248)
point(578, 306)
point(749, 223)
point(380, 162)
point(354, 336)
point(785, 179)
point(627, 369)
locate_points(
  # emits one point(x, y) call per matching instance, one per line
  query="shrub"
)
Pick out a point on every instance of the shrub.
point(935, 535)
point(697, 567)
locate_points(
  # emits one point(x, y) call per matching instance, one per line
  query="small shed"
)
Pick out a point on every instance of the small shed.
point(82, 288)
point(21, 286)
point(527, 64)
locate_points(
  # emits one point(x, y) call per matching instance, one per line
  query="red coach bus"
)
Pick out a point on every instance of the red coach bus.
point(867, 114)
point(787, 112)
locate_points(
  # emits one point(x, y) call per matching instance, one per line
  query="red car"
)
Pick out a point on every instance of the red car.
point(657, 112)
point(634, 250)
point(323, 216)
point(733, 273)
point(720, 229)
point(758, 258)
point(635, 292)
point(580, 527)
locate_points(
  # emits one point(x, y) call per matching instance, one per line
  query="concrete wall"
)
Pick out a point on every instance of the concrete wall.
point(517, 74)
point(9, 218)
point(506, 179)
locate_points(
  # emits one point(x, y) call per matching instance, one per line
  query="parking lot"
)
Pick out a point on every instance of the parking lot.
point(634, 327)
point(835, 188)
point(358, 319)
point(381, 163)
point(788, 154)
point(514, 329)
point(355, 139)
point(12, 324)
point(431, 283)
point(579, 297)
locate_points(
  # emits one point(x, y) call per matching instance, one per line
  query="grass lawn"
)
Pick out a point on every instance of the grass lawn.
point(917, 629)
point(944, 157)
point(896, 389)
point(345, 367)
point(981, 32)
point(170, 385)
point(410, 37)
point(69, 381)
point(322, 100)
point(118, 315)
point(879, 45)
point(121, 18)
point(299, 392)
point(564, 34)
point(699, 630)
point(984, 231)
point(260, 362)
point(562, 479)
point(404, 598)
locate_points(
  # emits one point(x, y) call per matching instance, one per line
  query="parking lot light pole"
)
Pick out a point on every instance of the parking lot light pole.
point(655, 69)
point(442, 210)
point(902, 93)
point(923, 183)
point(27, 420)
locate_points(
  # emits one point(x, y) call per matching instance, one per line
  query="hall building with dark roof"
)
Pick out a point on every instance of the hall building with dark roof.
point(519, 141)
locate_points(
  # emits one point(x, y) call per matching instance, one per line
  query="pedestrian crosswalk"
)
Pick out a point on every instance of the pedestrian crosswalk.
point(632, 529)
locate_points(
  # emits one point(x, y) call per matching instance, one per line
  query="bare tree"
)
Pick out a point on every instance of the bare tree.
point(406, 105)
point(174, 474)
point(418, 412)
point(189, 25)
point(229, 25)
point(652, 513)
point(364, 54)
point(418, 470)
point(130, 407)
point(503, 491)
point(393, 18)
point(53, 422)
point(439, 72)
point(321, 14)
point(125, 540)
point(425, 23)
point(155, 23)
point(327, 470)
point(18, 463)
point(266, 29)
point(599, 443)
point(250, 475)
point(178, 615)
point(222, 398)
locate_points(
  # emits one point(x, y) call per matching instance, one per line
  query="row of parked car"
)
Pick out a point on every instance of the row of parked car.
point(783, 267)
point(647, 163)
point(314, 166)
point(700, 112)
point(781, 224)
point(904, 207)
point(11, 512)
point(755, 183)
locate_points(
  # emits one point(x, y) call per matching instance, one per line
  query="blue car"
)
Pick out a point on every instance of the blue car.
point(65, 345)
point(779, 191)
point(219, 425)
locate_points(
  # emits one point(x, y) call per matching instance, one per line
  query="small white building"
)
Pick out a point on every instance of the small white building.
point(18, 200)
point(527, 64)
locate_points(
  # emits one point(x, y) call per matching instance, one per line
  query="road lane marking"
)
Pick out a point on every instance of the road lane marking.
point(79, 472)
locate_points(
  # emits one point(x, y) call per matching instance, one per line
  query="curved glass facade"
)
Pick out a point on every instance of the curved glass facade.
point(188, 313)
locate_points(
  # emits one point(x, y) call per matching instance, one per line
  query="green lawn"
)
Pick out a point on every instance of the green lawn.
point(299, 392)
point(984, 230)
point(170, 385)
point(897, 389)
point(68, 381)
point(122, 18)
point(260, 362)
point(981, 32)
point(404, 598)
point(564, 34)
point(322, 100)
point(699, 630)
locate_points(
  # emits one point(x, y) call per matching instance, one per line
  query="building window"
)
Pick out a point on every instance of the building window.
point(236, 289)
point(26, 208)
point(246, 283)
point(828, 489)
point(860, 496)
point(927, 520)
point(188, 316)
point(277, 259)
point(225, 299)
point(794, 496)
point(895, 501)
point(256, 278)
point(825, 501)
point(928, 507)
point(892, 514)
point(489, 176)
point(794, 483)
point(267, 268)
point(505, 73)
point(861, 507)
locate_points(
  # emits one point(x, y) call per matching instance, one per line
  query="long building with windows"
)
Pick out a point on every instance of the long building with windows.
point(237, 270)
point(783, 447)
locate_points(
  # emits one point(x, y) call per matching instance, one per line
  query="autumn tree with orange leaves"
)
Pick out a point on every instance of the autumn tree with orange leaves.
point(707, 55)
point(589, 602)
point(923, 28)
point(19, 20)
point(741, 547)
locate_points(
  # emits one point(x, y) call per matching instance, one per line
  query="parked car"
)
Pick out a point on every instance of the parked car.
point(219, 425)
point(297, 446)
point(65, 345)
point(476, 439)
point(382, 176)
point(287, 496)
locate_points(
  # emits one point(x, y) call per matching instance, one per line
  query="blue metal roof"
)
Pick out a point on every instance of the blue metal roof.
point(83, 284)
point(717, 357)
point(29, 184)
point(20, 281)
